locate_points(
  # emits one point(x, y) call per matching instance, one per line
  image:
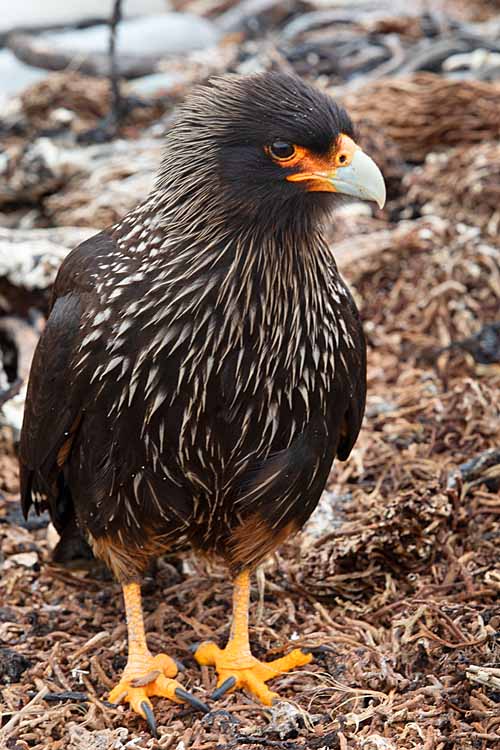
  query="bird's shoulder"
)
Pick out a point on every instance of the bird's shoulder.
point(352, 367)
point(79, 269)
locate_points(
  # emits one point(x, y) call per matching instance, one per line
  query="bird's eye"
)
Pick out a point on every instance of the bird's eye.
point(282, 150)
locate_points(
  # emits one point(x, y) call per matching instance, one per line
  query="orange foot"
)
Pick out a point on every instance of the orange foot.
point(237, 668)
point(146, 676)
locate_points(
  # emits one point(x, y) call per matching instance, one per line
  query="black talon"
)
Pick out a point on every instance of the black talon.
point(224, 688)
point(180, 666)
point(150, 718)
point(192, 700)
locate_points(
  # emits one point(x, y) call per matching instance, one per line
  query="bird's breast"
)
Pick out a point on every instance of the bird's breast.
point(198, 376)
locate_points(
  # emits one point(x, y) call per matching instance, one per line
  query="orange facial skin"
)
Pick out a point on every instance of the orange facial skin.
point(316, 170)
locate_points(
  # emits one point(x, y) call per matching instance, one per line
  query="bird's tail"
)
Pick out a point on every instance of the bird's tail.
point(72, 546)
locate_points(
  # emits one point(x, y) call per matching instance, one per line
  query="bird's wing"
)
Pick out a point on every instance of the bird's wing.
point(53, 405)
point(355, 386)
point(353, 416)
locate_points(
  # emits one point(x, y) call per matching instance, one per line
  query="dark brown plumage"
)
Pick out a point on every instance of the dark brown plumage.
point(204, 362)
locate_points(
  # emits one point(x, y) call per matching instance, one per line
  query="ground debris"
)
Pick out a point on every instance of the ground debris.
point(83, 97)
point(397, 600)
point(380, 533)
point(425, 112)
point(75, 102)
point(394, 584)
point(432, 187)
point(489, 676)
point(79, 186)
point(127, 170)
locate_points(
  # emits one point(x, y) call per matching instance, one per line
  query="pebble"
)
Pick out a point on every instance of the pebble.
point(25, 559)
point(12, 666)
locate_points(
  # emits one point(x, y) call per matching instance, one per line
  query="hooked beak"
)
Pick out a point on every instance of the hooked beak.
point(353, 173)
point(360, 177)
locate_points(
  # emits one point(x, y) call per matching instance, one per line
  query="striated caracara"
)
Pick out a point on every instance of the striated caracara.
point(204, 362)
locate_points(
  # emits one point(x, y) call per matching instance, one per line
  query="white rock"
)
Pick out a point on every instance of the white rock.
point(161, 35)
point(35, 13)
point(25, 559)
point(11, 413)
point(31, 258)
point(327, 516)
point(147, 85)
point(52, 537)
point(286, 718)
point(15, 75)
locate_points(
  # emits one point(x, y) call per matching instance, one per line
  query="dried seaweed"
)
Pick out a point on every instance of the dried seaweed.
point(426, 112)
point(476, 170)
point(399, 601)
point(394, 584)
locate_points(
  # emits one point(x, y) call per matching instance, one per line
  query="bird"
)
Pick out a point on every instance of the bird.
point(204, 362)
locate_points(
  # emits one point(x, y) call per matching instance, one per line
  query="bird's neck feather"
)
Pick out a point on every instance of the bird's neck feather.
point(287, 247)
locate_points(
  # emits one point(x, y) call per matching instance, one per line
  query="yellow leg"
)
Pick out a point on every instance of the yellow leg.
point(235, 665)
point(146, 675)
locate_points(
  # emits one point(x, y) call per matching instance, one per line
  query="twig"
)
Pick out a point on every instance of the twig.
point(14, 721)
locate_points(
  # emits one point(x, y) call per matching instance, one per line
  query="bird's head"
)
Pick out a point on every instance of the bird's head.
point(266, 147)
